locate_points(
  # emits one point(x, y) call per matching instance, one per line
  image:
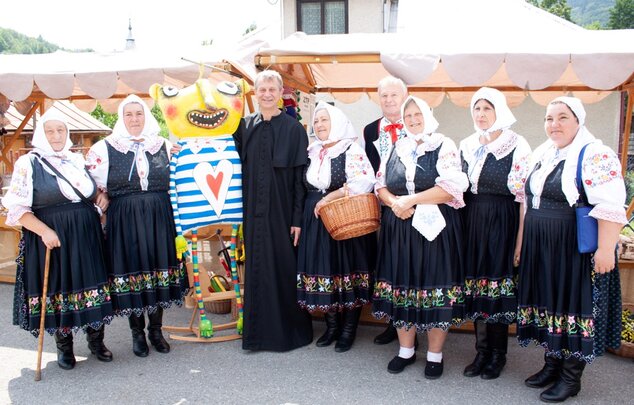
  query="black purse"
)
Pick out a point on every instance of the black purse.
point(587, 226)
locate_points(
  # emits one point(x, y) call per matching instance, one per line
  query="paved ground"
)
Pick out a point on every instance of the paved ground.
point(224, 373)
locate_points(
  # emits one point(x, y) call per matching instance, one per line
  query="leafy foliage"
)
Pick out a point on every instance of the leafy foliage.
point(13, 42)
point(622, 15)
point(590, 13)
point(559, 8)
point(111, 119)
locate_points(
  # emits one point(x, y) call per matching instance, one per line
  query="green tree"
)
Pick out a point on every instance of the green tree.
point(594, 26)
point(14, 42)
point(559, 8)
point(622, 15)
point(105, 118)
point(109, 119)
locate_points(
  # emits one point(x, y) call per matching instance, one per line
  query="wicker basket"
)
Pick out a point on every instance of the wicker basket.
point(349, 217)
point(220, 306)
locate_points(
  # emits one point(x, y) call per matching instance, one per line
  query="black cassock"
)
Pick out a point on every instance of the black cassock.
point(273, 155)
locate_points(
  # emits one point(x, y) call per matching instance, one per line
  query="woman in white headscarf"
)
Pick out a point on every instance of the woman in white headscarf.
point(132, 166)
point(569, 302)
point(334, 276)
point(420, 275)
point(51, 196)
point(496, 161)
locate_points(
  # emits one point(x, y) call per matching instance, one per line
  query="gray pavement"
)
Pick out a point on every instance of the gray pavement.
point(195, 373)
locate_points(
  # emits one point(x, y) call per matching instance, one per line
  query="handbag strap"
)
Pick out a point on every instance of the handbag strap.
point(583, 198)
point(61, 176)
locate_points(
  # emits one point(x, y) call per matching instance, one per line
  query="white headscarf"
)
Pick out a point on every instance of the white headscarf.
point(71, 165)
point(151, 127)
point(582, 138)
point(42, 147)
point(504, 118)
point(320, 152)
point(148, 140)
point(40, 143)
point(430, 122)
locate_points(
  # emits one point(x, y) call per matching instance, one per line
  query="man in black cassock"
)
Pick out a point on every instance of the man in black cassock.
point(272, 147)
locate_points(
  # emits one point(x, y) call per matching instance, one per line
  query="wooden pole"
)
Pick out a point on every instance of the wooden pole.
point(40, 343)
point(626, 131)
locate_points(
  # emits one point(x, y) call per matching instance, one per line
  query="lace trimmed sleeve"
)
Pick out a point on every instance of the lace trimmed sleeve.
point(519, 170)
point(451, 178)
point(19, 197)
point(603, 183)
point(97, 164)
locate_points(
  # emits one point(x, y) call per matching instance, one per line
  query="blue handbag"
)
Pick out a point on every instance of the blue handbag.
point(587, 226)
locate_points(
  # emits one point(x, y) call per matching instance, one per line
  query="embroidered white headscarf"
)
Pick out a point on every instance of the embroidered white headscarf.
point(582, 138)
point(40, 143)
point(43, 148)
point(321, 153)
point(430, 122)
point(504, 118)
point(473, 151)
point(71, 165)
point(151, 127)
point(148, 140)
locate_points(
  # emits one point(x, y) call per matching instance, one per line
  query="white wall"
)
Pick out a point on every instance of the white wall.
point(602, 118)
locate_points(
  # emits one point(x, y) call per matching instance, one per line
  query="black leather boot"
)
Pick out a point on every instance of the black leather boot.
point(547, 375)
point(483, 356)
point(498, 334)
point(387, 336)
point(333, 329)
point(96, 345)
point(139, 344)
point(65, 355)
point(568, 384)
point(348, 330)
point(154, 331)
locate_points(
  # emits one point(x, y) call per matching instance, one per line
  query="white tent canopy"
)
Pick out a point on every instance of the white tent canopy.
point(455, 46)
point(95, 76)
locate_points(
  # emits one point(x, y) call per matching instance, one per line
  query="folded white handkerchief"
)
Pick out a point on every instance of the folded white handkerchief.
point(428, 220)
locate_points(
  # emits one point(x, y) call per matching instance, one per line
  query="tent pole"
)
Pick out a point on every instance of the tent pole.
point(626, 131)
point(18, 132)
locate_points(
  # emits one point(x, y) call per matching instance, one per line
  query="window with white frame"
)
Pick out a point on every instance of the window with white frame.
point(322, 16)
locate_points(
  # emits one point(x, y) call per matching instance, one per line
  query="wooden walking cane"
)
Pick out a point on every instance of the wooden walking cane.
point(40, 343)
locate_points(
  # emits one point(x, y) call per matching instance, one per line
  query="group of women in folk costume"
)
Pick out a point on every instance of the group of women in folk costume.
point(58, 198)
point(485, 231)
point(497, 261)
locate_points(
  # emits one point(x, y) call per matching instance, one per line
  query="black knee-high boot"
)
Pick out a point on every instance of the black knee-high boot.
point(96, 345)
point(387, 336)
point(483, 356)
point(569, 382)
point(154, 331)
point(348, 330)
point(547, 375)
point(333, 329)
point(498, 335)
point(65, 355)
point(139, 344)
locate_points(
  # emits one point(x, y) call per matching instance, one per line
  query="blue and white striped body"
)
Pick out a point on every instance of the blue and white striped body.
point(206, 183)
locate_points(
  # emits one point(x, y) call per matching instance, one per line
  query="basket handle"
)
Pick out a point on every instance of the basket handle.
point(345, 190)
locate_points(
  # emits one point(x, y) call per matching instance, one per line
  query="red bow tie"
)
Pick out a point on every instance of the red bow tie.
point(392, 128)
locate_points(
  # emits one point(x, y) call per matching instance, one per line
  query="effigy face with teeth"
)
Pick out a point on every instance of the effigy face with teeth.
point(206, 172)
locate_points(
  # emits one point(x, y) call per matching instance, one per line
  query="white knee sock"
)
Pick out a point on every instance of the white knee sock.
point(434, 357)
point(406, 352)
